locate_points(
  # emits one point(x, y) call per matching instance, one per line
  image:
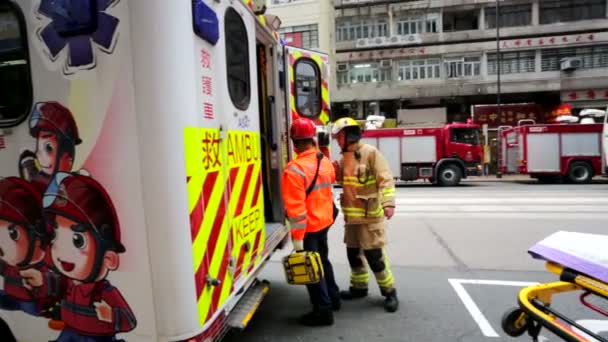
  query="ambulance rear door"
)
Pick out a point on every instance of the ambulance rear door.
point(308, 88)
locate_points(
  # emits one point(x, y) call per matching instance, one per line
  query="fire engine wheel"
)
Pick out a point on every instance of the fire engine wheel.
point(449, 175)
point(514, 322)
point(580, 173)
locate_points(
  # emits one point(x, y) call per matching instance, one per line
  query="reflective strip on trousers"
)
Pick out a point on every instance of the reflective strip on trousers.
point(385, 279)
point(359, 278)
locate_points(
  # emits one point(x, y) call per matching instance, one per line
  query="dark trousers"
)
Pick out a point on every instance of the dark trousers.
point(326, 291)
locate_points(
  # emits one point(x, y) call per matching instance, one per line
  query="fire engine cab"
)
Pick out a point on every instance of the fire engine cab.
point(141, 150)
point(443, 154)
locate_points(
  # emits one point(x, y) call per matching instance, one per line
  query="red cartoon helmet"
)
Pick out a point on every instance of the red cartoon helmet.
point(54, 117)
point(20, 203)
point(303, 128)
point(83, 200)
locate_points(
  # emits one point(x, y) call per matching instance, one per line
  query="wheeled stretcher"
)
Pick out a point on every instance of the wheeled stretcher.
point(581, 269)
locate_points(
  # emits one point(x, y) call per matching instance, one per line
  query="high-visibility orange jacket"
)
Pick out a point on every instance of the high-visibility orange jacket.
point(314, 213)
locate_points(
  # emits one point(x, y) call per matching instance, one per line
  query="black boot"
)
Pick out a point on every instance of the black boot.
point(318, 318)
point(391, 303)
point(336, 304)
point(353, 293)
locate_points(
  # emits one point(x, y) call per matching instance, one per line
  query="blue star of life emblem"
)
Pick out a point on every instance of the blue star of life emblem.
point(77, 25)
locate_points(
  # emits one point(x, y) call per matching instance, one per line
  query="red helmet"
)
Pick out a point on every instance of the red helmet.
point(303, 128)
point(20, 203)
point(54, 117)
point(83, 200)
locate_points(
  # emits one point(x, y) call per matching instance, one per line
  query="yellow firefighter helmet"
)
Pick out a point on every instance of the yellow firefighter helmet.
point(342, 123)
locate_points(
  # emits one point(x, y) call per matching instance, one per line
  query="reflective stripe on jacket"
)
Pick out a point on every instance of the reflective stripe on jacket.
point(367, 182)
point(314, 213)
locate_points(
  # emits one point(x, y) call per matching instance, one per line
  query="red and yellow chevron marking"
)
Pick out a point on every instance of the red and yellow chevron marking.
point(225, 201)
point(323, 64)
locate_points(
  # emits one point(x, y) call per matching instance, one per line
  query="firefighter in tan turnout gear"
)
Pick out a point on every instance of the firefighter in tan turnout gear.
point(368, 197)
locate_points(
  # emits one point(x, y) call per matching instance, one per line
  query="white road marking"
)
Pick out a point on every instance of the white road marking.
point(570, 201)
point(595, 326)
point(506, 215)
point(474, 311)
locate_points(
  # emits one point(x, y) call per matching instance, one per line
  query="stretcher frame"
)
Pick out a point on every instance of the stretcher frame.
point(534, 311)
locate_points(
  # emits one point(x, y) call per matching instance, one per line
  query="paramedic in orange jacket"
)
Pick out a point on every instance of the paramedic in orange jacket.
point(311, 216)
point(368, 197)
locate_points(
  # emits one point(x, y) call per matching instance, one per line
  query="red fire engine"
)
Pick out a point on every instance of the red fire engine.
point(552, 152)
point(443, 154)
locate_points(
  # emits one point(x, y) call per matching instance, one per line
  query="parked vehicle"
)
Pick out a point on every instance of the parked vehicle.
point(443, 154)
point(551, 152)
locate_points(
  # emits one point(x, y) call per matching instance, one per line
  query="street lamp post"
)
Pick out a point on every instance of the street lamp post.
point(498, 109)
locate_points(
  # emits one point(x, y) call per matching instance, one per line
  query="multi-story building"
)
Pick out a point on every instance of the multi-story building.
point(392, 55)
point(305, 23)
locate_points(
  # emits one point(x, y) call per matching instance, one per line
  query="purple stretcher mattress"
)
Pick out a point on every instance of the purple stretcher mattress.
point(585, 253)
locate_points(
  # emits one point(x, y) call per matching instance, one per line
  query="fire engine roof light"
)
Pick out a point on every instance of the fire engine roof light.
point(206, 24)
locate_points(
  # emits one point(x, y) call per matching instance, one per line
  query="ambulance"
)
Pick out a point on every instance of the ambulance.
point(141, 150)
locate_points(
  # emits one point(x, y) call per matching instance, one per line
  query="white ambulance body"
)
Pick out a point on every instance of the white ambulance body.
point(176, 115)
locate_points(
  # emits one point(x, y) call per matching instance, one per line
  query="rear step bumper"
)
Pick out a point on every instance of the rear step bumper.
point(248, 305)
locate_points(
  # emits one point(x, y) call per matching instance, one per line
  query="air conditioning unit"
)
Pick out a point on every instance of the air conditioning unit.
point(386, 63)
point(569, 64)
point(342, 67)
point(362, 42)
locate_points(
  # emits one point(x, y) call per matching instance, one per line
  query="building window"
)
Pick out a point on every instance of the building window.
point(369, 73)
point(348, 31)
point(422, 69)
point(460, 21)
point(592, 57)
point(510, 16)
point(418, 24)
point(16, 94)
point(237, 59)
point(512, 62)
point(462, 67)
point(558, 11)
point(304, 36)
point(308, 88)
point(342, 77)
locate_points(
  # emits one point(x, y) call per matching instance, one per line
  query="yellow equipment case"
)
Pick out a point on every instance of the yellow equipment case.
point(303, 268)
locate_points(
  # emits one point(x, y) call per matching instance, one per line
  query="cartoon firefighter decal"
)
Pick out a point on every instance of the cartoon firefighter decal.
point(56, 133)
point(84, 251)
point(24, 238)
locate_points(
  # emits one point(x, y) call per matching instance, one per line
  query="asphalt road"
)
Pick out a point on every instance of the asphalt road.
point(459, 258)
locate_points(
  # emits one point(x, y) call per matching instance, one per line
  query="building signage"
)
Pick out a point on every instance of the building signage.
point(388, 41)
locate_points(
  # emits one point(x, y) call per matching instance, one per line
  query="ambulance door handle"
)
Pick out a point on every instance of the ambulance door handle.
point(273, 144)
point(213, 281)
